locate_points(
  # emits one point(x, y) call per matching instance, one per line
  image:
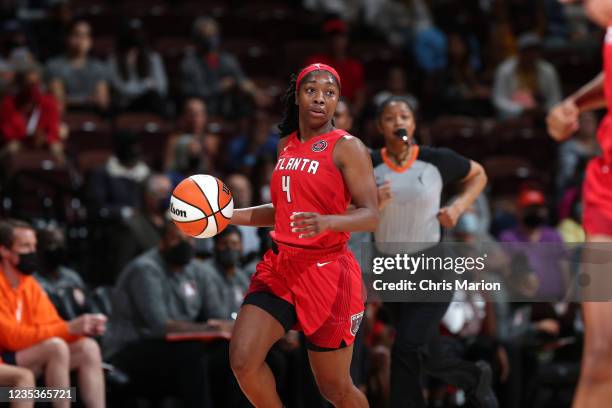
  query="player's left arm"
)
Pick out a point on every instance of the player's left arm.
point(472, 185)
point(353, 159)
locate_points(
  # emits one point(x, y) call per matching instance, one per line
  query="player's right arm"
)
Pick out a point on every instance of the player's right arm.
point(562, 120)
point(258, 216)
point(261, 215)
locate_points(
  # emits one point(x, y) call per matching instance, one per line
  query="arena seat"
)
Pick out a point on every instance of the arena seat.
point(141, 122)
point(87, 132)
point(463, 134)
point(39, 186)
point(89, 160)
point(507, 174)
point(255, 57)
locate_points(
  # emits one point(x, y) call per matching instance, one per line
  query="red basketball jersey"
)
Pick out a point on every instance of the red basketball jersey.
point(306, 179)
point(597, 188)
point(604, 135)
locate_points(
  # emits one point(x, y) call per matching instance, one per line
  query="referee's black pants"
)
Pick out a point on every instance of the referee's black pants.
point(417, 351)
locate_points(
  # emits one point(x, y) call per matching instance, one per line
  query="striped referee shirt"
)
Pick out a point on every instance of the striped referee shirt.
point(411, 215)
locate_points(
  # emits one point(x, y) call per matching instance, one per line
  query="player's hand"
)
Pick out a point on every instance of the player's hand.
point(309, 224)
point(562, 120)
point(88, 325)
point(384, 194)
point(448, 216)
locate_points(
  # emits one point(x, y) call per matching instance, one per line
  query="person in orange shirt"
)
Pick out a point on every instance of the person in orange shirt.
point(16, 377)
point(33, 335)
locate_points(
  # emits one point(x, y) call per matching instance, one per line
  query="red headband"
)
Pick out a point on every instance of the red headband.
point(316, 67)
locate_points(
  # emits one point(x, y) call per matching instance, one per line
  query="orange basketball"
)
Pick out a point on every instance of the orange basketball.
point(201, 206)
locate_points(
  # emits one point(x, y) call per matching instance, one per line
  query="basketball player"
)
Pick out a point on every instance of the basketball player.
point(412, 179)
point(310, 280)
point(595, 385)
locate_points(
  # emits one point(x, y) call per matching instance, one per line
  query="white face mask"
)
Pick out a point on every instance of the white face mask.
point(264, 193)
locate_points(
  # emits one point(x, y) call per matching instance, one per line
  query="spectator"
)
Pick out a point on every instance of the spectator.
point(30, 113)
point(192, 149)
point(397, 85)
point(242, 193)
point(350, 69)
point(216, 76)
point(463, 91)
point(51, 32)
point(143, 231)
point(544, 259)
point(17, 377)
point(576, 152)
point(115, 195)
point(223, 272)
point(53, 275)
point(77, 80)
point(262, 139)
point(343, 117)
point(15, 43)
point(526, 84)
point(7, 74)
point(137, 73)
point(161, 292)
point(32, 335)
point(115, 187)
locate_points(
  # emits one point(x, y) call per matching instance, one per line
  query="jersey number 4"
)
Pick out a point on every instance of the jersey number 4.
point(285, 180)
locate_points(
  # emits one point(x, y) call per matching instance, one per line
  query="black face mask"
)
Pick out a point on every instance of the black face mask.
point(193, 163)
point(228, 258)
point(53, 258)
point(208, 44)
point(28, 263)
point(180, 254)
point(128, 155)
point(533, 219)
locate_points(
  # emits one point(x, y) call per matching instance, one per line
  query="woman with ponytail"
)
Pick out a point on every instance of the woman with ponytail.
point(309, 280)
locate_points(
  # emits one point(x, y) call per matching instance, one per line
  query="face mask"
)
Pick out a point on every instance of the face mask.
point(209, 44)
point(533, 219)
point(28, 263)
point(228, 257)
point(53, 258)
point(193, 163)
point(180, 254)
point(128, 155)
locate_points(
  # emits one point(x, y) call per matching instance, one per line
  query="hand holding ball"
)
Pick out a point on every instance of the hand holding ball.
point(201, 206)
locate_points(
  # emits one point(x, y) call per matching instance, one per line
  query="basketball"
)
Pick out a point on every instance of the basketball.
point(201, 206)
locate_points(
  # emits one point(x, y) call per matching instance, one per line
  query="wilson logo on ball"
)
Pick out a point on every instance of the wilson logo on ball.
point(201, 206)
point(177, 212)
point(319, 146)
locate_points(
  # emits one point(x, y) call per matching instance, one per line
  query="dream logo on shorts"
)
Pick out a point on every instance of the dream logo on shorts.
point(319, 146)
point(356, 322)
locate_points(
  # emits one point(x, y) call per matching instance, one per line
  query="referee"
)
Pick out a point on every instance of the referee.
point(411, 180)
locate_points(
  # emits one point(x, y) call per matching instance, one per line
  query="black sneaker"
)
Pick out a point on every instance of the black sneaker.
point(483, 396)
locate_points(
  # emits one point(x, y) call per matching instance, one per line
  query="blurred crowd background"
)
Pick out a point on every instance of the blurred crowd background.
point(107, 105)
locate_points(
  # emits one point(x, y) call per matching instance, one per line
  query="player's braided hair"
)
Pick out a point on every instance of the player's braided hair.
point(290, 121)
